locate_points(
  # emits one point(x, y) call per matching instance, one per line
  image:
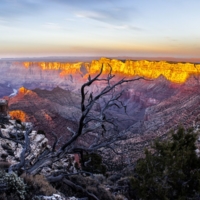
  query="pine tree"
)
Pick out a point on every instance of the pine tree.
point(170, 171)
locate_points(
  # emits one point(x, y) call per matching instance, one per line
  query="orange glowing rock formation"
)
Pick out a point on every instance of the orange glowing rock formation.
point(175, 72)
point(18, 114)
point(23, 90)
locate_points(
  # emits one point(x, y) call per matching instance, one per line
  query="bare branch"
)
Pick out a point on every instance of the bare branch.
point(26, 148)
point(86, 108)
point(57, 140)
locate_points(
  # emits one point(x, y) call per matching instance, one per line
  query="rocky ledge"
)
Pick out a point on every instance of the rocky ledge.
point(10, 151)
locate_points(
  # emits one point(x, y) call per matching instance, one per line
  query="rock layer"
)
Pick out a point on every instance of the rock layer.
point(175, 72)
point(70, 75)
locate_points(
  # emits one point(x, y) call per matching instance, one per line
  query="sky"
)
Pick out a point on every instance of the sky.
point(125, 28)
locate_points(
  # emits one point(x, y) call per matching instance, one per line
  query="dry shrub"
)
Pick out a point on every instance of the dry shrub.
point(92, 186)
point(38, 185)
point(84, 181)
point(100, 192)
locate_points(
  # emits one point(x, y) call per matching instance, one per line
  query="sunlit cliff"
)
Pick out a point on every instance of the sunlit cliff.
point(65, 68)
point(175, 72)
point(23, 90)
point(18, 114)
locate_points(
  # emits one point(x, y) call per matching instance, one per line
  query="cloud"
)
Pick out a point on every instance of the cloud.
point(112, 11)
point(91, 15)
point(124, 27)
point(109, 11)
point(111, 16)
point(117, 18)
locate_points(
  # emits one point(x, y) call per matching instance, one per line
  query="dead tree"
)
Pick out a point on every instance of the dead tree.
point(98, 125)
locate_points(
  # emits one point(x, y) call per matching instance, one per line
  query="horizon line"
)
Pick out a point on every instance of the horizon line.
point(151, 58)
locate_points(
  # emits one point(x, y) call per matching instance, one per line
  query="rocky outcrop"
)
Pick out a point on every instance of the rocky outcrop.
point(58, 197)
point(50, 111)
point(10, 151)
point(53, 197)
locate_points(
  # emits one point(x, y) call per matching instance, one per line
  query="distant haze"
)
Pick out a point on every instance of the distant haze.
point(89, 59)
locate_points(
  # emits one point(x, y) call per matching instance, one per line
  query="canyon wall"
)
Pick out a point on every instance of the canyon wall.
point(175, 72)
point(71, 75)
point(154, 106)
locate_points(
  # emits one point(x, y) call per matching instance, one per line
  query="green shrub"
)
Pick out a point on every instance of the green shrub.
point(14, 183)
point(95, 164)
point(172, 171)
point(24, 187)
